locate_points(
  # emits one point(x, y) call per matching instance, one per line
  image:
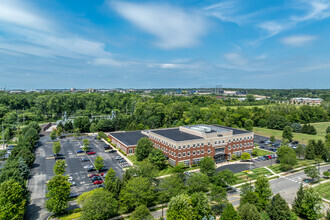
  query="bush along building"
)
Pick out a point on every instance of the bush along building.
point(189, 144)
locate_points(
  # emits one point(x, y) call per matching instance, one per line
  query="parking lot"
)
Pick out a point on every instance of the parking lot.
point(75, 166)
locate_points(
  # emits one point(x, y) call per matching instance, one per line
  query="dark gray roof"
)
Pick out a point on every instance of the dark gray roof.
point(128, 137)
point(235, 130)
point(176, 135)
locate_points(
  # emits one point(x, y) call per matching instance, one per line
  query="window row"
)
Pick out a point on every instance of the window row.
point(241, 145)
point(240, 139)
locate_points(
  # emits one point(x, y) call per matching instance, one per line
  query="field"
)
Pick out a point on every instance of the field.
point(302, 138)
point(323, 189)
point(301, 163)
point(263, 152)
point(245, 177)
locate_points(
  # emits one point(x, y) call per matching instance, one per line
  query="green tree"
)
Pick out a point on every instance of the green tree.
point(201, 205)
point(310, 149)
point(297, 202)
point(218, 194)
point(85, 145)
point(272, 138)
point(248, 212)
point(311, 205)
point(143, 149)
point(287, 133)
point(157, 158)
point(83, 197)
point(53, 135)
point(35, 125)
point(171, 186)
point(26, 155)
point(31, 136)
point(112, 183)
point(99, 205)
point(246, 156)
point(82, 123)
point(300, 151)
point(58, 194)
point(12, 200)
point(148, 170)
point(98, 163)
point(68, 127)
point(248, 125)
point(263, 190)
point(137, 191)
point(198, 182)
point(224, 178)
point(59, 167)
point(59, 132)
point(141, 213)
point(287, 157)
point(179, 208)
point(229, 213)
point(296, 127)
point(250, 197)
point(3, 153)
point(278, 209)
point(207, 166)
point(312, 172)
point(328, 130)
point(56, 147)
point(234, 157)
point(320, 150)
point(93, 128)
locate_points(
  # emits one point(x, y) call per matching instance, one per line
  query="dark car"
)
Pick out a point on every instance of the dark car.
point(58, 155)
point(295, 142)
point(85, 159)
point(266, 157)
point(91, 169)
point(107, 147)
point(94, 178)
point(100, 186)
point(122, 161)
point(273, 149)
point(80, 151)
point(262, 147)
point(103, 169)
point(60, 158)
point(112, 151)
point(73, 195)
point(261, 142)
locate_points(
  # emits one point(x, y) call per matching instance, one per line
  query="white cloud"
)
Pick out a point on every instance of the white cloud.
point(235, 58)
point(108, 62)
point(173, 27)
point(273, 27)
point(298, 40)
point(315, 10)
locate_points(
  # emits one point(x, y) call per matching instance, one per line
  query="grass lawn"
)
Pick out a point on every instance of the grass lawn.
point(323, 188)
point(245, 177)
point(70, 216)
point(132, 158)
point(302, 138)
point(301, 163)
point(261, 152)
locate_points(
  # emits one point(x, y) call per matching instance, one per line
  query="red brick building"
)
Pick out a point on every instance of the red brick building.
point(189, 144)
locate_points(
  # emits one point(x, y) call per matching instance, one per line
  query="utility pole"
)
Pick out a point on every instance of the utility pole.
point(3, 136)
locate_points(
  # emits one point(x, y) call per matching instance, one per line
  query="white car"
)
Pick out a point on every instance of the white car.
point(119, 158)
point(88, 166)
point(73, 183)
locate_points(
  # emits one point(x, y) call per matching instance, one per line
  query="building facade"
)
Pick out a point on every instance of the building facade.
point(190, 144)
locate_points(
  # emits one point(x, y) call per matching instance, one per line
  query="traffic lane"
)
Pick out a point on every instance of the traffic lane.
point(109, 158)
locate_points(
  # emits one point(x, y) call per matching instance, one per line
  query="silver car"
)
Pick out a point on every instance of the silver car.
point(88, 166)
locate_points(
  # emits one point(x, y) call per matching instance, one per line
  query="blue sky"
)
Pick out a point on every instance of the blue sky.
point(159, 44)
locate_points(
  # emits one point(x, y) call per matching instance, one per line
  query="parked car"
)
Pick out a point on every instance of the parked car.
point(80, 151)
point(261, 142)
point(92, 175)
point(84, 159)
point(100, 186)
point(103, 174)
point(94, 178)
point(268, 142)
point(112, 151)
point(295, 142)
point(73, 183)
point(91, 169)
point(88, 166)
point(262, 147)
point(273, 149)
point(122, 161)
point(60, 158)
point(10, 147)
point(58, 155)
point(73, 195)
point(103, 169)
point(119, 158)
point(70, 178)
point(107, 147)
point(91, 152)
point(98, 182)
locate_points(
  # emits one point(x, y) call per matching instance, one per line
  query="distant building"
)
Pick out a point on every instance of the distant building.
point(189, 144)
point(309, 101)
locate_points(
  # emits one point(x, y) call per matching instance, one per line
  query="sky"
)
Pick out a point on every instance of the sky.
point(164, 44)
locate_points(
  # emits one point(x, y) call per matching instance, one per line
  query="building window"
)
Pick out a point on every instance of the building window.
point(229, 140)
point(244, 138)
point(209, 150)
point(184, 154)
point(193, 145)
point(179, 155)
point(229, 147)
point(240, 145)
point(186, 162)
point(248, 138)
point(188, 146)
point(188, 153)
point(240, 138)
point(215, 142)
point(184, 147)
point(198, 152)
point(202, 151)
point(130, 150)
point(194, 152)
point(244, 144)
point(197, 144)
point(228, 156)
point(233, 139)
point(223, 141)
point(202, 144)
point(179, 147)
point(209, 143)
